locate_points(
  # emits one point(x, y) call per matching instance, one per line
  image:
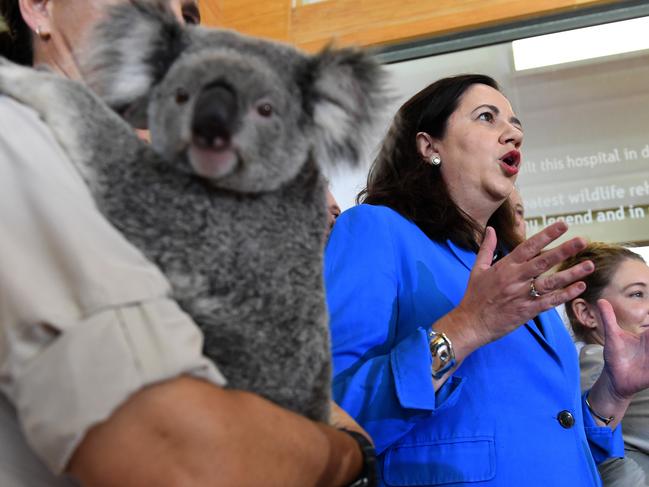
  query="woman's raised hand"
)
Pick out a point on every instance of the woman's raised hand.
point(626, 368)
point(502, 296)
point(626, 355)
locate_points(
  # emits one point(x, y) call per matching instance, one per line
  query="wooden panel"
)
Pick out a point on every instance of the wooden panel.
point(210, 12)
point(380, 22)
point(373, 22)
point(268, 18)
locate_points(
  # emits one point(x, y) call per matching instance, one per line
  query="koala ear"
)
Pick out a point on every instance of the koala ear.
point(131, 50)
point(346, 93)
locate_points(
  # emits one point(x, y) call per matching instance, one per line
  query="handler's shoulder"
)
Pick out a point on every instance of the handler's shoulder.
point(18, 120)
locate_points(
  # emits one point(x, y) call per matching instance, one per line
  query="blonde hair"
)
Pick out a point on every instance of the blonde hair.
point(606, 258)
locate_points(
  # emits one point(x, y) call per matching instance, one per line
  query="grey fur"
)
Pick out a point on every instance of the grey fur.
point(242, 249)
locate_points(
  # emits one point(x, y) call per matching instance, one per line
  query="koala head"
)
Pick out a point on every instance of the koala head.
point(242, 112)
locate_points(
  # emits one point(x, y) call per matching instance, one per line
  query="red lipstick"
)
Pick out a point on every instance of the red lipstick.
point(511, 162)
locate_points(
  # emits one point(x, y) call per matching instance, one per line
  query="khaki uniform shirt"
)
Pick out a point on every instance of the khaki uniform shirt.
point(85, 319)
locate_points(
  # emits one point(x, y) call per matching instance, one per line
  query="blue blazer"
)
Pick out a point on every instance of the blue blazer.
point(495, 422)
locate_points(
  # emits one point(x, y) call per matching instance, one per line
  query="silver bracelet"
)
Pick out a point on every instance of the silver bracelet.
point(603, 419)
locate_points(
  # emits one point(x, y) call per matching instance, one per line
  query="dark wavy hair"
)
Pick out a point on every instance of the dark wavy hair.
point(606, 258)
point(401, 180)
point(16, 40)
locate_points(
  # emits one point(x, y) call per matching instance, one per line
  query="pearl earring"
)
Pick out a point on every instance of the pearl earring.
point(45, 36)
point(435, 160)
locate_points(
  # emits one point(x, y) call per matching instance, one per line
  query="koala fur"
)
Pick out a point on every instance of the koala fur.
point(228, 200)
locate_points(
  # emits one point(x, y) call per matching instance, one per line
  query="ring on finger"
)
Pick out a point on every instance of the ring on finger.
point(533, 292)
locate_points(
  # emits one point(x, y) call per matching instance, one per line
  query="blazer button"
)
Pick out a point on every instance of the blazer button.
point(566, 419)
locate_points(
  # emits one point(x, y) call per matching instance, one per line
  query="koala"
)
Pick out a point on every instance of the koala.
point(228, 199)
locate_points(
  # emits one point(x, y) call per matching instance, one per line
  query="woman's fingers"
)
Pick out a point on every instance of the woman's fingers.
point(546, 260)
point(535, 244)
point(560, 296)
point(560, 287)
point(559, 280)
point(486, 252)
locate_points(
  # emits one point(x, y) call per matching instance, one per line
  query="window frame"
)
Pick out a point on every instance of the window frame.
point(475, 38)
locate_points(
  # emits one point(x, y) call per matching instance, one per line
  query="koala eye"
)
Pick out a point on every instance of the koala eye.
point(182, 96)
point(265, 109)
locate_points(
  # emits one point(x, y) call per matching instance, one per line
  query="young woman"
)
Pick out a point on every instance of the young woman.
point(447, 348)
point(621, 277)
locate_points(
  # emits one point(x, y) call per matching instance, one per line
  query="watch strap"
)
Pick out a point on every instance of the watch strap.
point(368, 477)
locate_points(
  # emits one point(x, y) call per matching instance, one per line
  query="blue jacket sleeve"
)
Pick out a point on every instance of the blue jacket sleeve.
point(383, 381)
point(604, 442)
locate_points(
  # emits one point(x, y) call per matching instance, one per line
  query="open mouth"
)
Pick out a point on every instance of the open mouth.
point(510, 162)
point(211, 161)
point(512, 158)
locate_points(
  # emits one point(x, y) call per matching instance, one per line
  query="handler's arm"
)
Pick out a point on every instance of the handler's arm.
point(188, 432)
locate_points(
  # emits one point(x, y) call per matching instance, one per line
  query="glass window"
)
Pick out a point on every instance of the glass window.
point(586, 149)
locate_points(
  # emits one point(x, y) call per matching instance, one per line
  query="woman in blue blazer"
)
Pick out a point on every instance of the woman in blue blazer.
point(455, 362)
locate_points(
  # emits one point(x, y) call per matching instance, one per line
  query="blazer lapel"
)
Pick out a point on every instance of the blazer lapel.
point(547, 332)
point(465, 256)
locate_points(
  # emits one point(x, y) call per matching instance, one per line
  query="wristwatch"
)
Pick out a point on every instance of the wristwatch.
point(367, 478)
point(441, 350)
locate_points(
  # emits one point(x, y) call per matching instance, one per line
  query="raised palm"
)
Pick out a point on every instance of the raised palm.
point(626, 355)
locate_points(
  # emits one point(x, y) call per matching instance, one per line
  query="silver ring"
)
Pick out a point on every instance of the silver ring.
point(533, 292)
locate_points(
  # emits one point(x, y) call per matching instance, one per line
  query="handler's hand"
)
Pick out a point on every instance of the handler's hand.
point(498, 298)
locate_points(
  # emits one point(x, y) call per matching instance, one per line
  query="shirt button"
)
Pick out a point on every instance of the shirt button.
point(566, 419)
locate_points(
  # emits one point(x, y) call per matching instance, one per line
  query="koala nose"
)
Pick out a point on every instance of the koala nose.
point(214, 117)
